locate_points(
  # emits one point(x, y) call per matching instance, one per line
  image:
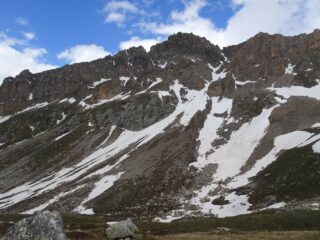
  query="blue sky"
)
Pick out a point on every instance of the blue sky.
point(39, 35)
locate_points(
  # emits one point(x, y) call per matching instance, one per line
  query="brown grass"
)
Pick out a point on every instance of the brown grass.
point(292, 235)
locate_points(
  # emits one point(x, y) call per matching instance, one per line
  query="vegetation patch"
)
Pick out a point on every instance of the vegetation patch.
point(293, 176)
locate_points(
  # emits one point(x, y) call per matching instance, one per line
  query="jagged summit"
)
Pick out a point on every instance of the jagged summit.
point(182, 130)
point(188, 45)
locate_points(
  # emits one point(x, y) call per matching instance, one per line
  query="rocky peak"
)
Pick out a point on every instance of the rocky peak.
point(266, 57)
point(134, 56)
point(25, 74)
point(186, 45)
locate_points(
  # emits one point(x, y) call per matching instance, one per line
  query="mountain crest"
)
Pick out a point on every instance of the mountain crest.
point(186, 45)
point(183, 130)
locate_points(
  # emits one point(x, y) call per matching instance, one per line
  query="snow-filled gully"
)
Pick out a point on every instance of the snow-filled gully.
point(231, 156)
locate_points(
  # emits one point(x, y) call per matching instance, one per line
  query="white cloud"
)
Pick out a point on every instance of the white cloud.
point(13, 61)
point(117, 11)
point(188, 20)
point(22, 21)
point(121, 5)
point(288, 17)
point(83, 53)
point(29, 35)
point(136, 42)
point(117, 18)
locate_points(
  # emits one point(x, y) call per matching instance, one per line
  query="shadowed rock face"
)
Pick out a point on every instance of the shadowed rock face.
point(164, 132)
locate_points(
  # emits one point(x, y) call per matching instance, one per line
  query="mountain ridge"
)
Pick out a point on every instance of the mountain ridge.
point(180, 130)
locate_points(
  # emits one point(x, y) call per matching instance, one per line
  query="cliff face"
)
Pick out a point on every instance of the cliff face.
point(185, 129)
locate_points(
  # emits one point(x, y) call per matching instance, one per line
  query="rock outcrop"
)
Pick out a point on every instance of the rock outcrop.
point(44, 225)
point(125, 229)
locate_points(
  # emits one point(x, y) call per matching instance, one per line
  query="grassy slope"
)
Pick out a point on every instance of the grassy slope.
point(294, 176)
point(300, 220)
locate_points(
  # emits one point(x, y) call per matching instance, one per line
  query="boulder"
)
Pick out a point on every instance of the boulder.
point(223, 229)
point(220, 201)
point(42, 226)
point(121, 230)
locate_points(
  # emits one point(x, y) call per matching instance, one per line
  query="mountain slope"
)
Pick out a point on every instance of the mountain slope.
point(185, 129)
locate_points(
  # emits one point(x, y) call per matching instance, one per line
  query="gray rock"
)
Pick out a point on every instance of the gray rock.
point(43, 226)
point(223, 229)
point(122, 230)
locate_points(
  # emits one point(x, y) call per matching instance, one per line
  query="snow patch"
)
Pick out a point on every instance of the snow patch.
point(196, 101)
point(229, 159)
point(244, 83)
point(276, 206)
point(69, 100)
point(211, 125)
point(216, 76)
point(163, 65)
point(310, 140)
point(316, 147)
point(124, 80)
point(4, 118)
point(97, 83)
point(51, 201)
point(283, 142)
point(158, 80)
point(84, 211)
point(316, 125)
point(120, 96)
point(168, 218)
point(113, 127)
point(82, 103)
point(64, 116)
point(61, 136)
point(30, 97)
point(238, 204)
point(231, 156)
point(287, 92)
point(36, 106)
point(100, 187)
point(162, 94)
point(289, 69)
